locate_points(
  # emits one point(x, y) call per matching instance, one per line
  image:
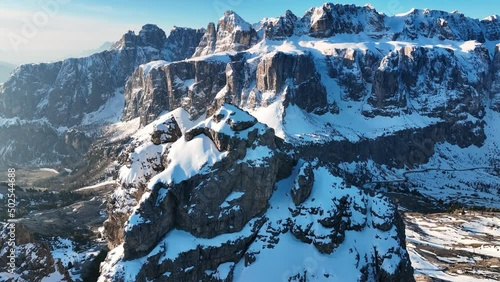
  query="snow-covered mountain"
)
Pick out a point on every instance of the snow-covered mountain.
point(275, 150)
point(228, 202)
point(62, 100)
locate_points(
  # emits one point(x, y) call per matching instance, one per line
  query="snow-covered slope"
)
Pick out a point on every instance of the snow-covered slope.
point(217, 180)
point(381, 98)
point(455, 247)
point(237, 144)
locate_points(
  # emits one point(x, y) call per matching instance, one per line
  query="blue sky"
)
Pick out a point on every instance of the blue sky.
point(67, 27)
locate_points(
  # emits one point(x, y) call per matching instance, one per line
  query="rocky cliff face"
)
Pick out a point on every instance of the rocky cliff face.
point(204, 205)
point(64, 92)
point(495, 91)
point(182, 42)
point(334, 19)
point(240, 143)
point(279, 28)
point(61, 95)
point(239, 79)
point(331, 19)
point(232, 33)
point(223, 202)
point(316, 91)
point(411, 79)
point(159, 86)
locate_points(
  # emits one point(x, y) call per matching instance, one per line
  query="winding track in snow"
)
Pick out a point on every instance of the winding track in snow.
point(405, 174)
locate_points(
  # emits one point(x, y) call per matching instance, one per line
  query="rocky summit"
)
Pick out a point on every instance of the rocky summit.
point(230, 200)
point(292, 149)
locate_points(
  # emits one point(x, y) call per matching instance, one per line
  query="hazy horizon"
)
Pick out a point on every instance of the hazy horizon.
point(50, 30)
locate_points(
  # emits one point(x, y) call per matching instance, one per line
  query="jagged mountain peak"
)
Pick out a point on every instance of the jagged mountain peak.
point(232, 33)
point(492, 18)
point(331, 19)
point(176, 28)
point(150, 28)
point(153, 36)
point(329, 7)
point(232, 19)
point(149, 35)
point(252, 153)
point(430, 13)
point(370, 6)
point(278, 28)
point(288, 14)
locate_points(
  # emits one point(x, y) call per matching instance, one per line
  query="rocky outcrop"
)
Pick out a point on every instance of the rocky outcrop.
point(146, 93)
point(331, 19)
point(223, 209)
point(166, 132)
point(280, 28)
point(441, 25)
point(208, 42)
point(410, 79)
point(495, 90)
point(139, 166)
point(326, 225)
point(491, 27)
point(209, 204)
point(194, 84)
point(303, 184)
point(298, 75)
point(412, 72)
point(61, 95)
point(158, 87)
point(182, 42)
point(405, 148)
point(233, 33)
point(33, 259)
point(150, 35)
point(77, 140)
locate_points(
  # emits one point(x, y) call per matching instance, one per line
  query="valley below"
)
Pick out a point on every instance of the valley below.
point(459, 246)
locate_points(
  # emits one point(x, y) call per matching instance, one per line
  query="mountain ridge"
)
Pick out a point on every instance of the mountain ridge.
point(277, 135)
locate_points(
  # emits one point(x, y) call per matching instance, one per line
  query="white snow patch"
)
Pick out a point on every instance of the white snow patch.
point(233, 196)
point(152, 65)
point(97, 186)
point(49, 170)
point(183, 165)
point(63, 249)
point(110, 112)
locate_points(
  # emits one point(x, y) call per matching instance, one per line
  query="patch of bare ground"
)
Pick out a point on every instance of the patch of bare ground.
point(28, 179)
point(461, 246)
point(81, 219)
